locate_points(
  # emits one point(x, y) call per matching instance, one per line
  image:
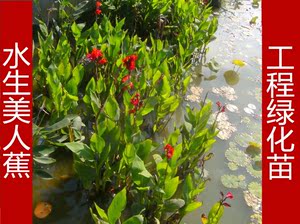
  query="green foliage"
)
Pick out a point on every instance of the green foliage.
point(123, 74)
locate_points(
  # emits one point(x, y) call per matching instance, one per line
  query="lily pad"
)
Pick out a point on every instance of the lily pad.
point(254, 173)
point(253, 201)
point(196, 90)
point(231, 77)
point(232, 108)
point(237, 156)
point(225, 91)
point(232, 166)
point(232, 181)
point(249, 110)
point(223, 125)
point(42, 210)
point(256, 218)
point(251, 106)
point(255, 188)
point(193, 98)
point(257, 165)
point(253, 149)
point(244, 139)
point(213, 65)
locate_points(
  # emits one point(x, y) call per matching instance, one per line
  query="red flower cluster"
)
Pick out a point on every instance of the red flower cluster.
point(220, 107)
point(136, 102)
point(96, 55)
point(169, 151)
point(98, 10)
point(126, 81)
point(129, 62)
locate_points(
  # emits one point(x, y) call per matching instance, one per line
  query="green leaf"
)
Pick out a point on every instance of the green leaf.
point(173, 205)
point(140, 174)
point(101, 213)
point(44, 160)
point(215, 213)
point(44, 150)
point(111, 108)
point(81, 150)
point(116, 207)
point(171, 186)
point(137, 219)
point(193, 206)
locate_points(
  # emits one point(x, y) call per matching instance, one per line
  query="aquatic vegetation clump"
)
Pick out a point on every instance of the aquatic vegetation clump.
point(233, 181)
point(226, 92)
point(237, 156)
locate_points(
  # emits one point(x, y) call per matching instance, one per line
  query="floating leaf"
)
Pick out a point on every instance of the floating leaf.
point(256, 218)
point(251, 106)
point(237, 156)
point(213, 65)
point(249, 111)
point(224, 127)
point(225, 91)
point(253, 149)
point(255, 188)
point(232, 108)
point(196, 90)
point(42, 210)
point(193, 98)
point(253, 172)
point(257, 165)
point(244, 139)
point(239, 63)
point(232, 166)
point(231, 77)
point(232, 181)
point(253, 20)
point(253, 201)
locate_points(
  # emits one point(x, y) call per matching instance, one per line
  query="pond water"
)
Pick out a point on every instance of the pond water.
point(235, 39)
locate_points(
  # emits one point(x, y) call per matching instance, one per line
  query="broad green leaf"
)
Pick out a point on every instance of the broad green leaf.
point(171, 187)
point(111, 108)
point(81, 150)
point(44, 160)
point(173, 205)
point(116, 207)
point(215, 213)
point(137, 219)
point(193, 206)
point(101, 213)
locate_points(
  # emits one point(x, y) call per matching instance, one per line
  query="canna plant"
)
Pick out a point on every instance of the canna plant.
point(106, 91)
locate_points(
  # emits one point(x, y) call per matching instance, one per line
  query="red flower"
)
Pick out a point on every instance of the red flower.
point(98, 11)
point(229, 195)
point(219, 104)
point(98, 4)
point(169, 151)
point(131, 85)
point(95, 54)
point(129, 62)
point(135, 101)
point(125, 78)
point(102, 61)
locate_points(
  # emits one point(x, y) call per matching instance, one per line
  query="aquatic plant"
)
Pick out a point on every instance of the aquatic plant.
point(233, 181)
